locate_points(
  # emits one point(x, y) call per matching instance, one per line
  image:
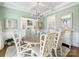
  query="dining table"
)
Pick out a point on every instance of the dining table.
point(32, 39)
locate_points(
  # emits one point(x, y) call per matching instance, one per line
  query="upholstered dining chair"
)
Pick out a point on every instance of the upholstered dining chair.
point(23, 48)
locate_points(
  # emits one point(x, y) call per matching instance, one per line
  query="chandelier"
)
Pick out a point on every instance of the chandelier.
point(38, 11)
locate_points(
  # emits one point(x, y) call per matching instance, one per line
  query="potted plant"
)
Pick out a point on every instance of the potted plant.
point(9, 41)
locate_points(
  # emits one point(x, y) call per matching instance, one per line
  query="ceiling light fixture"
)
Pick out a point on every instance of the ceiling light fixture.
point(38, 11)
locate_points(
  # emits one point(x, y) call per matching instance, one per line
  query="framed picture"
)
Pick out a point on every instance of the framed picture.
point(11, 23)
point(67, 21)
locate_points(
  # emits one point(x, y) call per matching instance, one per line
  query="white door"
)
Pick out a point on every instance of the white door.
point(1, 38)
point(51, 23)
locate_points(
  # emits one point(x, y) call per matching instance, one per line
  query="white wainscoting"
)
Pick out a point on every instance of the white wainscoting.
point(67, 37)
point(8, 33)
point(75, 39)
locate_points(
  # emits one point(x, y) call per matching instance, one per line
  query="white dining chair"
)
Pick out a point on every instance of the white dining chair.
point(23, 48)
point(44, 49)
point(57, 43)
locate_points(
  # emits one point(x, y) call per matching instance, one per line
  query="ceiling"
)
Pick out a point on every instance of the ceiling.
point(29, 6)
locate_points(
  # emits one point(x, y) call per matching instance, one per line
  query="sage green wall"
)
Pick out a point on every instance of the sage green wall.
point(75, 17)
point(6, 13)
point(13, 14)
point(45, 22)
point(10, 13)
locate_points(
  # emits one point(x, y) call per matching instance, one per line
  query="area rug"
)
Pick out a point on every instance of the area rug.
point(11, 52)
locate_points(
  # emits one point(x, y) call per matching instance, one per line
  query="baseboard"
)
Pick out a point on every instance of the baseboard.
point(64, 44)
point(74, 47)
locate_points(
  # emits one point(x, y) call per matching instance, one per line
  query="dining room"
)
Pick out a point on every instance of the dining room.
point(39, 29)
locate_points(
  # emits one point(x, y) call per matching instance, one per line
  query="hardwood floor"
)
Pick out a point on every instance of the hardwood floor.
point(73, 53)
point(2, 52)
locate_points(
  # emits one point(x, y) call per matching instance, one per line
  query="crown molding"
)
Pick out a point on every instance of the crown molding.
point(47, 13)
point(13, 7)
point(60, 8)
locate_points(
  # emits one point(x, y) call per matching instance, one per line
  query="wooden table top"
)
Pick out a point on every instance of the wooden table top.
point(32, 39)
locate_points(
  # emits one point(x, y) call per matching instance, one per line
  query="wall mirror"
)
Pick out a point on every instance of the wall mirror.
point(67, 21)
